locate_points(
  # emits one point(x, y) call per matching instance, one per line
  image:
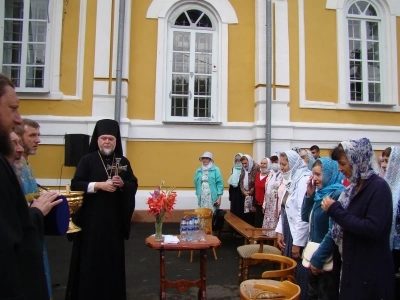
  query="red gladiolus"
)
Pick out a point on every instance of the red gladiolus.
point(161, 202)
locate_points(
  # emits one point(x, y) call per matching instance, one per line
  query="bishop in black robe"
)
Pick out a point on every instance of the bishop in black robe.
point(97, 269)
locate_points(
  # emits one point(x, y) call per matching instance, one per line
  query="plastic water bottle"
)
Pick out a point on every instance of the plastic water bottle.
point(190, 230)
point(183, 230)
point(196, 227)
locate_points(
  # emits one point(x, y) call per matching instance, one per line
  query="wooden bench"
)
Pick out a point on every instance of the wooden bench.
point(249, 232)
point(251, 235)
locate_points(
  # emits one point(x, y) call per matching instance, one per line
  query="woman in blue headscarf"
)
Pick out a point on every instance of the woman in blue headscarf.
point(325, 181)
point(362, 216)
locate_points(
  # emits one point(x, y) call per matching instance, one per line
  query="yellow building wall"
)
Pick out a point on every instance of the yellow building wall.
point(176, 162)
point(321, 55)
point(142, 60)
point(48, 161)
point(322, 115)
point(69, 47)
point(241, 74)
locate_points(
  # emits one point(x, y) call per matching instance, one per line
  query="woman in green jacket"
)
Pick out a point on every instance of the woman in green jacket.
point(208, 183)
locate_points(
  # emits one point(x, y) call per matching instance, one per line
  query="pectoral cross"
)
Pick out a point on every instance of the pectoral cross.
point(117, 167)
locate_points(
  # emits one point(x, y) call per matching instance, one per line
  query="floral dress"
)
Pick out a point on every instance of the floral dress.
point(271, 205)
point(205, 200)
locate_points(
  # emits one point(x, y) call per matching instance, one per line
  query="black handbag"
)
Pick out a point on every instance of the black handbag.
point(218, 219)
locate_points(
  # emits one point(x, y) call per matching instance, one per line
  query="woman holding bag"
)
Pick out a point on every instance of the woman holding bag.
point(325, 181)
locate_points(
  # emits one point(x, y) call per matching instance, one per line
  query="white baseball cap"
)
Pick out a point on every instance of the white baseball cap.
point(207, 155)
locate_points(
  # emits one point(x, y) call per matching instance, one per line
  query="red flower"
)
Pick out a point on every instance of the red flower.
point(161, 202)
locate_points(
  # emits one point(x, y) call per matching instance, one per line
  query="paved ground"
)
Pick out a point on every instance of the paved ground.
point(142, 266)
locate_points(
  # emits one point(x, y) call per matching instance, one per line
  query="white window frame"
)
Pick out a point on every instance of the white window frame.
point(214, 79)
point(24, 51)
point(388, 38)
point(225, 15)
point(364, 61)
point(56, 15)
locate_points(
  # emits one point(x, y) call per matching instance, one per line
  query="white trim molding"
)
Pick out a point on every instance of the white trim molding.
point(339, 4)
point(285, 134)
point(159, 9)
point(390, 57)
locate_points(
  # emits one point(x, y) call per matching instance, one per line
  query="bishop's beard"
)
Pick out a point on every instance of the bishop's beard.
point(6, 147)
point(106, 152)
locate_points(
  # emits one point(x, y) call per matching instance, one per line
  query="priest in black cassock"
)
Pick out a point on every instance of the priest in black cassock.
point(97, 269)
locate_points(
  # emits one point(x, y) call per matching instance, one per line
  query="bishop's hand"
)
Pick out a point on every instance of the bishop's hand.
point(117, 181)
point(107, 186)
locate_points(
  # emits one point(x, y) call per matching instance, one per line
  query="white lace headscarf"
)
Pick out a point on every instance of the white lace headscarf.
point(392, 177)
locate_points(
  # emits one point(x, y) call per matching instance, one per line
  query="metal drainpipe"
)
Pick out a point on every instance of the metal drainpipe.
point(120, 54)
point(268, 89)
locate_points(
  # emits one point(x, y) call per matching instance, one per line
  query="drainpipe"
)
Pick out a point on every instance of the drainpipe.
point(268, 88)
point(120, 55)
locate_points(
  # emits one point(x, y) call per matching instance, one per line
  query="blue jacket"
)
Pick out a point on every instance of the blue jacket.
point(214, 180)
point(320, 228)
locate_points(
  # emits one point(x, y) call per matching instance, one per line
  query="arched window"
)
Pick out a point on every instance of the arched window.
point(365, 59)
point(192, 65)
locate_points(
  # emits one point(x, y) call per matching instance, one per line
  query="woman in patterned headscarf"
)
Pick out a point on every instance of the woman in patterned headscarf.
point(391, 165)
point(362, 224)
point(247, 181)
point(325, 181)
point(292, 232)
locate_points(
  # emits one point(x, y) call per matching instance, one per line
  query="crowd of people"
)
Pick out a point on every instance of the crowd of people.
point(346, 203)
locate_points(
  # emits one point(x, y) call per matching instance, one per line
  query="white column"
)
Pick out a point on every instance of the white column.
point(103, 101)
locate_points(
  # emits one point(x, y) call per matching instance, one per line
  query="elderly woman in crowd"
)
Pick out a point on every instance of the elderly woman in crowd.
point(247, 181)
point(208, 183)
point(325, 181)
point(235, 194)
point(391, 165)
point(259, 190)
point(362, 224)
point(307, 157)
point(292, 232)
point(271, 205)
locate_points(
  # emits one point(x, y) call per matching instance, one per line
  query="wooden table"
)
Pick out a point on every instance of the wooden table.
point(183, 284)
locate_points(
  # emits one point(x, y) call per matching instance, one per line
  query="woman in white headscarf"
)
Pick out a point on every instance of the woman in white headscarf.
point(391, 166)
point(208, 183)
point(235, 194)
point(271, 205)
point(292, 232)
point(247, 181)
